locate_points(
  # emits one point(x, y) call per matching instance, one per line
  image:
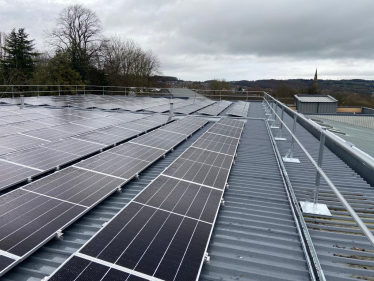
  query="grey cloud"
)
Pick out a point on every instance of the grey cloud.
point(229, 38)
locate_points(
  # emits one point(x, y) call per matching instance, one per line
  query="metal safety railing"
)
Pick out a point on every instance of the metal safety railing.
point(273, 117)
point(38, 90)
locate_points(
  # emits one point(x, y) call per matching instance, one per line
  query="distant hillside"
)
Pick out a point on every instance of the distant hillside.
point(333, 86)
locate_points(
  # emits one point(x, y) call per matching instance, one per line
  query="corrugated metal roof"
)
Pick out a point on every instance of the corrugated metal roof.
point(315, 98)
point(362, 138)
point(356, 120)
point(343, 251)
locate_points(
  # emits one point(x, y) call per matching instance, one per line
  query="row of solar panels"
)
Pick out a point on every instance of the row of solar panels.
point(216, 108)
point(163, 233)
point(26, 152)
point(158, 105)
point(240, 109)
point(37, 212)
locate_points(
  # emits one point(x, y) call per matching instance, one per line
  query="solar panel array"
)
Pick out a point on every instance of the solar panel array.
point(216, 108)
point(198, 104)
point(106, 102)
point(240, 109)
point(35, 141)
point(35, 213)
point(163, 233)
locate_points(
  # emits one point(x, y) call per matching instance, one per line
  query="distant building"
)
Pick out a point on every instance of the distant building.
point(316, 104)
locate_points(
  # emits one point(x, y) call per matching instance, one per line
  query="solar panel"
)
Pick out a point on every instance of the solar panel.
point(113, 164)
point(159, 139)
point(163, 233)
point(80, 269)
point(140, 152)
point(32, 219)
point(194, 107)
point(12, 173)
point(240, 108)
point(18, 142)
point(77, 186)
point(216, 108)
point(49, 134)
point(101, 137)
point(75, 146)
point(41, 158)
point(217, 143)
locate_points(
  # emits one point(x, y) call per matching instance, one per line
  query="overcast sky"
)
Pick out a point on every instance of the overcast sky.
point(231, 39)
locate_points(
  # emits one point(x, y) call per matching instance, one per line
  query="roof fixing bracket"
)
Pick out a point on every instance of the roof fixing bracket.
point(315, 208)
point(222, 202)
point(58, 168)
point(119, 189)
point(137, 176)
point(207, 258)
point(104, 224)
point(29, 179)
point(59, 234)
point(163, 156)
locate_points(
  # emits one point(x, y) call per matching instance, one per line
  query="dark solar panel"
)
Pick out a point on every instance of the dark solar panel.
point(184, 198)
point(114, 164)
point(27, 219)
point(18, 142)
point(217, 143)
point(159, 139)
point(5, 262)
point(141, 152)
point(80, 269)
point(41, 158)
point(75, 146)
point(76, 186)
point(12, 174)
point(106, 139)
point(49, 134)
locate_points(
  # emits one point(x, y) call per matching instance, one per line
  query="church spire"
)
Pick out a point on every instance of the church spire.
point(315, 88)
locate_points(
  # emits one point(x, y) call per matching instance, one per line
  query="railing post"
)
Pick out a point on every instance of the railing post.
point(84, 90)
point(12, 92)
point(289, 156)
point(22, 102)
point(315, 207)
point(38, 89)
point(274, 125)
point(103, 90)
point(279, 137)
point(319, 162)
point(171, 110)
point(59, 91)
point(76, 89)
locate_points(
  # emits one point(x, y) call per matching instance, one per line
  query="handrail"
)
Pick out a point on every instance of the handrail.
point(348, 207)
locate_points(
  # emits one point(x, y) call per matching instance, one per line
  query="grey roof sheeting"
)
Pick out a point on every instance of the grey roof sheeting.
point(343, 251)
point(315, 98)
point(366, 121)
point(361, 137)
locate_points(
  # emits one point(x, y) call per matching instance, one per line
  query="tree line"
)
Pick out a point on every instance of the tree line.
point(79, 53)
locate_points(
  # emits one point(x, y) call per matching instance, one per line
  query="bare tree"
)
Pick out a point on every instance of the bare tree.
point(78, 32)
point(125, 63)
